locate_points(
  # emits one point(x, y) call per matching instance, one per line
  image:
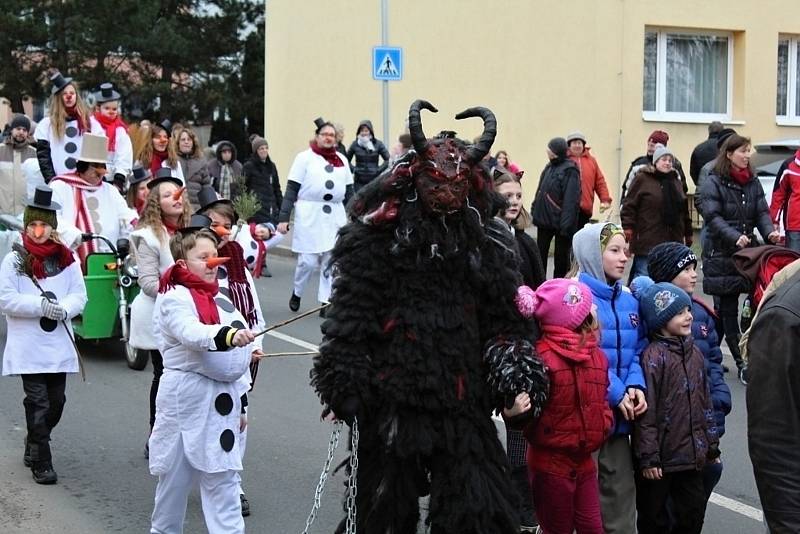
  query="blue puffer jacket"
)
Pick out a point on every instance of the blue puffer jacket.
point(622, 338)
point(705, 336)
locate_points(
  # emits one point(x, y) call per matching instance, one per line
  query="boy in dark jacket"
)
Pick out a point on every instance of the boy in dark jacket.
point(677, 435)
point(676, 263)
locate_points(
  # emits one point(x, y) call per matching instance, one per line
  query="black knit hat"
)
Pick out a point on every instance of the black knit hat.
point(558, 146)
point(723, 135)
point(21, 121)
point(667, 260)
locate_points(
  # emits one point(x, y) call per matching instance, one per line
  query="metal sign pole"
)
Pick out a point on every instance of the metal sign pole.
point(385, 42)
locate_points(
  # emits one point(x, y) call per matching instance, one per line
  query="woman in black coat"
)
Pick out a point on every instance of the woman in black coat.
point(556, 206)
point(733, 206)
point(261, 177)
point(368, 151)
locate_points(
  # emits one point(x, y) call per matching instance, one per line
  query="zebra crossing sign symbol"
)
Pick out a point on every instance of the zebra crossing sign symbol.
point(387, 63)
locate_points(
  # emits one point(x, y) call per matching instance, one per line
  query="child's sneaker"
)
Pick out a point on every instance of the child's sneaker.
point(43, 473)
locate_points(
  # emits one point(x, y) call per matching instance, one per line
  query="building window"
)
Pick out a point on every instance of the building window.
point(687, 76)
point(788, 97)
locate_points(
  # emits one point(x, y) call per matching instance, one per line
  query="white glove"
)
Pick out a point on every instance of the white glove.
point(53, 310)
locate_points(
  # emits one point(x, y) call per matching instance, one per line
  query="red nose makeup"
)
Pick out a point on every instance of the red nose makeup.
point(216, 262)
point(38, 231)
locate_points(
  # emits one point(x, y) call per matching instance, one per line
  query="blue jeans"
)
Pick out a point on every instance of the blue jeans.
point(793, 240)
point(638, 267)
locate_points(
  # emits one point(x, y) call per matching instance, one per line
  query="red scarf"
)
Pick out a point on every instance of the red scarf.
point(48, 249)
point(261, 255)
point(73, 115)
point(158, 158)
point(574, 346)
point(330, 154)
point(110, 126)
point(83, 221)
point(241, 295)
point(202, 292)
point(740, 176)
point(171, 228)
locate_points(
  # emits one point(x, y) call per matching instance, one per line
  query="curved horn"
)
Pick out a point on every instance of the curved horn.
point(415, 125)
point(481, 148)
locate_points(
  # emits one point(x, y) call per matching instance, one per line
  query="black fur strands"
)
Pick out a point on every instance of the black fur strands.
point(420, 288)
point(514, 369)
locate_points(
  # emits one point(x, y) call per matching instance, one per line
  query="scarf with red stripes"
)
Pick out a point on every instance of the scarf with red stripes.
point(83, 221)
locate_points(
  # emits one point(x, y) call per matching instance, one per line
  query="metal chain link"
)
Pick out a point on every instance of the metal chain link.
point(333, 443)
point(352, 487)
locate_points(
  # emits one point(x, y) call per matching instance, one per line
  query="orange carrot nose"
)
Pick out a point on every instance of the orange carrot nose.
point(178, 192)
point(216, 262)
point(221, 231)
point(38, 231)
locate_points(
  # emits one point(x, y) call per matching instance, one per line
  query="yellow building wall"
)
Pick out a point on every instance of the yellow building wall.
point(545, 67)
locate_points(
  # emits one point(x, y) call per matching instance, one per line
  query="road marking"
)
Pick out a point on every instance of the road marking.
point(738, 507)
point(294, 340)
point(720, 500)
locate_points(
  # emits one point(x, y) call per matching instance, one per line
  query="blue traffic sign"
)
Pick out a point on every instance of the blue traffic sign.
point(387, 63)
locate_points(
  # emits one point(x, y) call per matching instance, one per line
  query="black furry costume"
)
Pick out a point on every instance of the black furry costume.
point(422, 321)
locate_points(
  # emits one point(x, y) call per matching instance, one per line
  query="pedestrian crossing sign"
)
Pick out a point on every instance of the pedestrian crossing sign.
point(387, 63)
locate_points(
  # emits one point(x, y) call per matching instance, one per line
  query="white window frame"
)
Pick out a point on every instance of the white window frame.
point(792, 104)
point(660, 114)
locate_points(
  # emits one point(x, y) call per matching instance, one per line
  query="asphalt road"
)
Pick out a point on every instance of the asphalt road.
point(104, 485)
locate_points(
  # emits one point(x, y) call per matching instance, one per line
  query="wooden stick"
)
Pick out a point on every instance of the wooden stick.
point(293, 319)
point(278, 354)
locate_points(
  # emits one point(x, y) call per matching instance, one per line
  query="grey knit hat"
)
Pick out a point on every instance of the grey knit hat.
point(576, 136)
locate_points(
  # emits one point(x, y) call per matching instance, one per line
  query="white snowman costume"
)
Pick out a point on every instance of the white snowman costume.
point(142, 335)
point(65, 151)
point(247, 379)
point(108, 212)
point(120, 160)
point(176, 171)
point(21, 302)
point(318, 214)
point(194, 439)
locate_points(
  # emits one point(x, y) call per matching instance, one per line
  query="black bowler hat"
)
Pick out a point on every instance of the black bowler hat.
point(164, 174)
point(166, 124)
point(208, 198)
point(140, 174)
point(59, 82)
point(43, 199)
point(196, 223)
point(106, 93)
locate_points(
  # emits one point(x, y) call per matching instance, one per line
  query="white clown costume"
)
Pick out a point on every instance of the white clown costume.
point(318, 214)
point(195, 436)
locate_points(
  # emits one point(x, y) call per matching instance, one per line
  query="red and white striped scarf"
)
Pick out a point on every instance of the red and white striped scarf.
point(83, 221)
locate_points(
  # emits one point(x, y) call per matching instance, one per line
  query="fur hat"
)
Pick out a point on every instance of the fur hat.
point(667, 260)
point(256, 141)
point(659, 302)
point(559, 301)
point(21, 121)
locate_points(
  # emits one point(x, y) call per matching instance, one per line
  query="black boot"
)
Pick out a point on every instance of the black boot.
point(294, 302)
point(43, 473)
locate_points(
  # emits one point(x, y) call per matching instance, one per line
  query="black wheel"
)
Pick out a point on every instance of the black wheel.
point(136, 358)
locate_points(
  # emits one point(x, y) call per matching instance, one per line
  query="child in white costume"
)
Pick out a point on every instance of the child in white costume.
point(39, 317)
point(120, 148)
point(194, 439)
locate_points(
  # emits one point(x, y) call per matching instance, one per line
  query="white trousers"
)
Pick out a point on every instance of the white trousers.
point(219, 493)
point(307, 263)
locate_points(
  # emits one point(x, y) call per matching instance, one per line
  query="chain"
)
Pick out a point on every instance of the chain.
point(352, 487)
point(332, 444)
